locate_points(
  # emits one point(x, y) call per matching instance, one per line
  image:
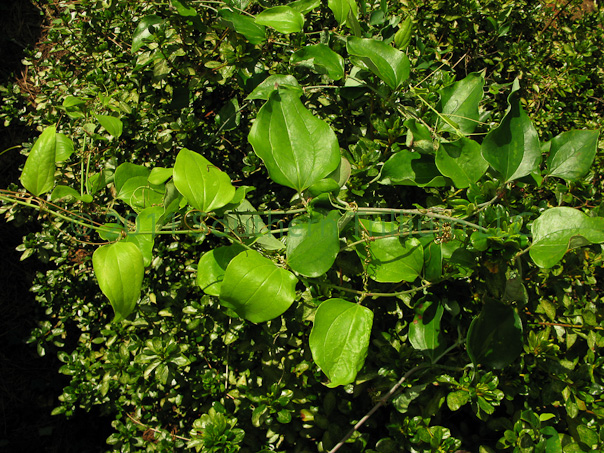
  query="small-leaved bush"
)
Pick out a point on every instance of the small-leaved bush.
point(265, 219)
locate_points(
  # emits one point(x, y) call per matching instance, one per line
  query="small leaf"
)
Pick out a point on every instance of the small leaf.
point(424, 332)
point(457, 399)
point(495, 336)
point(119, 270)
point(313, 244)
point(282, 18)
point(386, 62)
point(144, 31)
point(552, 440)
point(572, 153)
point(60, 192)
point(461, 161)
point(244, 25)
point(459, 103)
point(256, 289)
point(321, 59)
point(297, 148)
point(204, 185)
point(339, 339)
point(38, 175)
point(112, 124)
point(271, 83)
point(560, 229)
point(513, 147)
point(212, 267)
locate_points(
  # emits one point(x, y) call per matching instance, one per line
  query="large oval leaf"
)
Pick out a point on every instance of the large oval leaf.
point(339, 339)
point(38, 175)
point(313, 244)
point(203, 185)
point(297, 148)
point(407, 168)
point(424, 332)
point(282, 18)
point(560, 229)
point(244, 25)
point(495, 336)
point(212, 267)
point(342, 8)
point(386, 62)
point(119, 270)
point(572, 153)
point(459, 104)
point(513, 147)
point(256, 289)
point(461, 161)
point(321, 59)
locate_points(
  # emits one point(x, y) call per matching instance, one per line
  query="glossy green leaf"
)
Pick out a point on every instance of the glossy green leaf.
point(112, 124)
point(38, 175)
point(459, 103)
point(160, 175)
point(244, 25)
point(495, 336)
point(271, 83)
point(111, 231)
point(250, 228)
point(560, 229)
point(64, 147)
point(212, 267)
point(321, 59)
point(119, 270)
point(339, 339)
point(552, 440)
point(135, 189)
point(183, 9)
point(513, 147)
point(391, 259)
point(61, 192)
point(144, 31)
point(408, 168)
point(297, 148)
point(571, 154)
point(282, 18)
point(313, 243)
point(204, 185)
point(461, 161)
point(424, 331)
point(126, 171)
point(256, 289)
point(342, 8)
point(304, 6)
point(144, 235)
point(386, 62)
point(74, 107)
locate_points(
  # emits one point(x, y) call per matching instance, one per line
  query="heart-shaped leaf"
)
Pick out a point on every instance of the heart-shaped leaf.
point(204, 185)
point(38, 175)
point(459, 103)
point(212, 267)
point(256, 289)
point(339, 339)
point(297, 148)
point(572, 153)
point(513, 147)
point(386, 62)
point(119, 270)
point(461, 161)
point(560, 229)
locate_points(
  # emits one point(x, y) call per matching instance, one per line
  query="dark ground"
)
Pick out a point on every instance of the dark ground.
point(29, 384)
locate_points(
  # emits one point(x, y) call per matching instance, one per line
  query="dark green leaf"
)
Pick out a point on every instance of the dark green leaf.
point(386, 62)
point(408, 168)
point(245, 26)
point(572, 153)
point(424, 332)
point(461, 161)
point(459, 103)
point(321, 59)
point(144, 31)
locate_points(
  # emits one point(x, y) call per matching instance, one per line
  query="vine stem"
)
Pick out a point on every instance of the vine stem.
point(370, 294)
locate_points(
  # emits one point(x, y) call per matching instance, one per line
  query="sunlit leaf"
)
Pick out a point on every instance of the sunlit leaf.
point(321, 59)
point(412, 169)
point(38, 175)
point(461, 161)
point(245, 26)
point(282, 18)
point(212, 267)
point(572, 153)
point(386, 62)
point(271, 83)
point(144, 235)
point(112, 124)
point(64, 147)
point(342, 8)
point(459, 103)
point(144, 31)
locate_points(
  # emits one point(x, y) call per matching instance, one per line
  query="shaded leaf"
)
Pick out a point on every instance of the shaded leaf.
point(424, 331)
point(386, 62)
point(321, 59)
point(245, 26)
point(461, 161)
point(571, 154)
point(411, 169)
point(144, 31)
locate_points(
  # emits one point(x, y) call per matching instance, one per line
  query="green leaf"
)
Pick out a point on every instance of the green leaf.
point(313, 243)
point(256, 289)
point(272, 83)
point(321, 59)
point(461, 161)
point(297, 148)
point(60, 192)
point(64, 147)
point(560, 229)
point(251, 228)
point(424, 332)
point(459, 103)
point(391, 259)
point(183, 9)
point(144, 235)
point(204, 186)
point(38, 175)
point(304, 6)
point(212, 267)
point(342, 8)
point(144, 31)
point(160, 175)
point(495, 336)
point(408, 168)
point(119, 270)
point(244, 25)
point(386, 62)
point(132, 186)
point(571, 154)
point(457, 399)
point(552, 440)
point(73, 107)
point(127, 171)
point(111, 231)
point(513, 147)
point(339, 339)
point(112, 124)
point(282, 18)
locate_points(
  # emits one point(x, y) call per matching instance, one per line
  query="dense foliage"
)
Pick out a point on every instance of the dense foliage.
point(264, 219)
